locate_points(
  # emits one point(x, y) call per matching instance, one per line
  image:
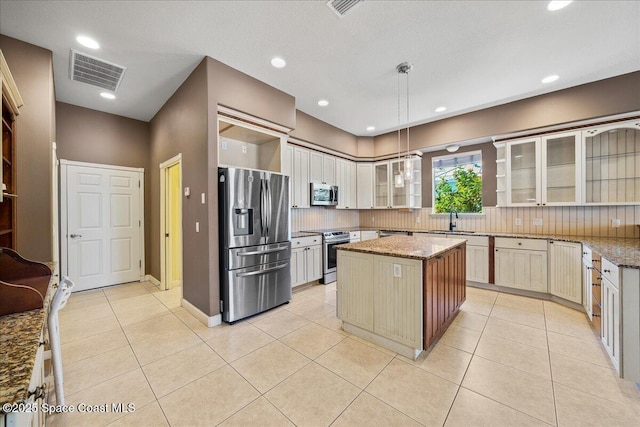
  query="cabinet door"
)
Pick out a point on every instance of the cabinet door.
point(329, 169)
point(478, 263)
point(521, 269)
point(355, 289)
point(346, 184)
point(298, 267)
point(398, 194)
point(352, 185)
point(287, 160)
point(313, 261)
point(611, 321)
point(562, 169)
point(523, 158)
point(397, 299)
point(315, 166)
point(586, 288)
point(504, 269)
point(565, 270)
point(300, 198)
point(364, 185)
point(381, 185)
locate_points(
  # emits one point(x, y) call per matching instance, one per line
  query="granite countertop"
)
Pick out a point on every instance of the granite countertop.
point(623, 252)
point(19, 342)
point(299, 234)
point(404, 246)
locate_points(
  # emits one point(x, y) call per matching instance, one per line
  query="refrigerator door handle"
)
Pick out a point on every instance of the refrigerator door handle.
point(262, 208)
point(269, 206)
point(265, 271)
point(269, 251)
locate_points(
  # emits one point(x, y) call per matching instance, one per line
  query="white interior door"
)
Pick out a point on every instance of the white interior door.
point(103, 225)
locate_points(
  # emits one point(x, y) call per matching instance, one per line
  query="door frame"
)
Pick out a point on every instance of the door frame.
point(64, 164)
point(164, 167)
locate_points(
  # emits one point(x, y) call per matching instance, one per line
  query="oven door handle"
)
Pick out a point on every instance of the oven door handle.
point(265, 271)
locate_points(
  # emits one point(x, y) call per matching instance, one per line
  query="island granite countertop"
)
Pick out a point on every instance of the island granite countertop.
point(405, 246)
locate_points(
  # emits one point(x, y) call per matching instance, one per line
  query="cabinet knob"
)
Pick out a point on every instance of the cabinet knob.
point(584, 253)
point(607, 271)
point(519, 243)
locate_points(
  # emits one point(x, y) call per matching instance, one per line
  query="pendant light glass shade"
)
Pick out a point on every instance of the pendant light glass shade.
point(408, 169)
point(398, 180)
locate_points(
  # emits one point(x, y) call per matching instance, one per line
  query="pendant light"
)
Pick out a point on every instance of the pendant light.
point(407, 175)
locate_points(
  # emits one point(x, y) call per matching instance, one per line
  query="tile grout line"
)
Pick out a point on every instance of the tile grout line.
point(553, 387)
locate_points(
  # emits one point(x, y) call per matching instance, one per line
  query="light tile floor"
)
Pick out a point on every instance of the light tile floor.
point(505, 361)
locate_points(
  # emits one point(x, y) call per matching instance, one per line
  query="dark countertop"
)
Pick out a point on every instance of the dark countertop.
point(404, 246)
point(19, 343)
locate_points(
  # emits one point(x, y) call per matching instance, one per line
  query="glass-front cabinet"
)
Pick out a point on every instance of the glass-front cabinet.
point(561, 177)
point(544, 171)
point(524, 173)
point(612, 164)
point(381, 185)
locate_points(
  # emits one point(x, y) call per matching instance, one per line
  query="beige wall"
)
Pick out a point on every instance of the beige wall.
point(181, 126)
point(316, 131)
point(32, 70)
point(598, 99)
point(86, 135)
point(564, 221)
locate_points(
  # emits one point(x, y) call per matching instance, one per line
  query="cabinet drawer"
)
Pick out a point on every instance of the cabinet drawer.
point(354, 235)
point(528, 244)
point(472, 240)
point(610, 272)
point(306, 241)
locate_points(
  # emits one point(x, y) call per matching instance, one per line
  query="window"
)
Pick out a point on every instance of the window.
point(457, 183)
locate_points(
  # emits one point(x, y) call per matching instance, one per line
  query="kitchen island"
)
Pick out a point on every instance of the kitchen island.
point(401, 292)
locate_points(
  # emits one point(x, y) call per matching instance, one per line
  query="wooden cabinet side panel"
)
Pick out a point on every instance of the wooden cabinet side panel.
point(444, 291)
point(355, 289)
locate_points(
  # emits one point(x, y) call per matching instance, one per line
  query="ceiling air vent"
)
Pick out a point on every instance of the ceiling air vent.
point(341, 7)
point(96, 72)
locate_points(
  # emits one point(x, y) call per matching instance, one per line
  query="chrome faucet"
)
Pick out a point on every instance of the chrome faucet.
point(451, 224)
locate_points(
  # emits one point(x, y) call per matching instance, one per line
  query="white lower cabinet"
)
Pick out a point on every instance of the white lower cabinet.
point(610, 333)
point(565, 270)
point(524, 268)
point(368, 235)
point(477, 258)
point(306, 260)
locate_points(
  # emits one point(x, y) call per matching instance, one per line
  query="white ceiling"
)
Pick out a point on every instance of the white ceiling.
point(466, 54)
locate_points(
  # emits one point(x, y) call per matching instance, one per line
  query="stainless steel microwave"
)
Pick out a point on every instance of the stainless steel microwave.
point(323, 194)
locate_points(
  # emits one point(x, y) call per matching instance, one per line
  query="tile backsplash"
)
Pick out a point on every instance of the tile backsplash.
point(566, 220)
point(318, 218)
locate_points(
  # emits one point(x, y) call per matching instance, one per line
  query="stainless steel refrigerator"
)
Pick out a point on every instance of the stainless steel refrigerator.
point(254, 241)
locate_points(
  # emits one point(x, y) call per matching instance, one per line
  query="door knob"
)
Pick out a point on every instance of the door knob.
point(73, 236)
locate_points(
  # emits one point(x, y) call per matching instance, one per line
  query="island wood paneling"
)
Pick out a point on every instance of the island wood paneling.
point(444, 291)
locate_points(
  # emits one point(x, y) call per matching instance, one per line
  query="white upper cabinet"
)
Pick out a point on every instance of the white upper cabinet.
point(612, 163)
point(299, 195)
point(544, 171)
point(381, 175)
point(322, 168)
point(364, 173)
point(523, 160)
point(346, 181)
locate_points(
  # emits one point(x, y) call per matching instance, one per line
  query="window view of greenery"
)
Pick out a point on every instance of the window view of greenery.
point(457, 183)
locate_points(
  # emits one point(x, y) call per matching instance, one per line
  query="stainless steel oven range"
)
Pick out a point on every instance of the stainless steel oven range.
point(330, 240)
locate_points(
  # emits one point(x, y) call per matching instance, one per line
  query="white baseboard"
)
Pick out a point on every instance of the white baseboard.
point(150, 278)
point(210, 321)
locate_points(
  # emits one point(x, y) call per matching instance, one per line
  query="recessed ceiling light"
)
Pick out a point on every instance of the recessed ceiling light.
point(441, 109)
point(107, 95)
point(371, 128)
point(558, 4)
point(551, 78)
point(278, 62)
point(323, 103)
point(88, 42)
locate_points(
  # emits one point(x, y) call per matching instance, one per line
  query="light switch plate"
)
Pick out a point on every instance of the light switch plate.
point(203, 198)
point(197, 227)
point(537, 222)
point(397, 270)
point(187, 191)
point(518, 222)
point(615, 223)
